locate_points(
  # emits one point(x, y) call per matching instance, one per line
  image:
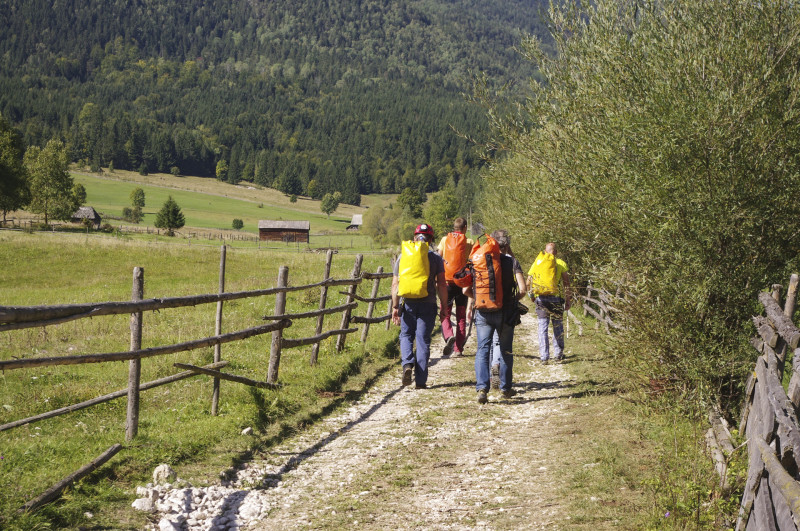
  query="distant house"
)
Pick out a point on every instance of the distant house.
point(355, 223)
point(283, 231)
point(87, 212)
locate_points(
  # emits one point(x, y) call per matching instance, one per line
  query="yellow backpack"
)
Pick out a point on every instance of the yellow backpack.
point(413, 270)
point(544, 280)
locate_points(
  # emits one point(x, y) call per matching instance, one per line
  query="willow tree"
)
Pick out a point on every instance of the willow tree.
point(660, 148)
point(51, 185)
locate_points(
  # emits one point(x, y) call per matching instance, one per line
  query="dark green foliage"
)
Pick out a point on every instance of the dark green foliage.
point(14, 191)
point(352, 95)
point(238, 224)
point(170, 216)
point(661, 154)
point(137, 197)
point(51, 185)
point(132, 215)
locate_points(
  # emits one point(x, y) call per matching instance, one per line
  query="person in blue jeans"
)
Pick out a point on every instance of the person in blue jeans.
point(417, 317)
point(500, 323)
point(551, 308)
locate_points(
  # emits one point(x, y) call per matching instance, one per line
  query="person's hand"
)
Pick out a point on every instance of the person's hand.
point(469, 317)
point(567, 304)
point(444, 313)
point(396, 316)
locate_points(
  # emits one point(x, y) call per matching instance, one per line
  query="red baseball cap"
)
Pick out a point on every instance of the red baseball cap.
point(424, 229)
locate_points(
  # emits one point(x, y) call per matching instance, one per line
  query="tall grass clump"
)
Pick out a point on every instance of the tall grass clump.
point(661, 150)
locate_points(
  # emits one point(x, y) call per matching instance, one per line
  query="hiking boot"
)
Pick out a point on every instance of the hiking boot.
point(482, 398)
point(448, 346)
point(407, 375)
point(421, 386)
point(542, 362)
point(495, 380)
point(509, 393)
point(457, 353)
point(558, 359)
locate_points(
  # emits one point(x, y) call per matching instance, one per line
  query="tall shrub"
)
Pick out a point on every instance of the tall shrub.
point(661, 150)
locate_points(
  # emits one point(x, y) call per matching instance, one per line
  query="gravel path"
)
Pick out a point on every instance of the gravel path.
point(402, 458)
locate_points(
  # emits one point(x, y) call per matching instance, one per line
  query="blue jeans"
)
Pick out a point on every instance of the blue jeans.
point(506, 362)
point(486, 324)
point(417, 322)
point(550, 308)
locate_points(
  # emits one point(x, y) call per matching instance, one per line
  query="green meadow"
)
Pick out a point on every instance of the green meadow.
point(176, 425)
point(203, 209)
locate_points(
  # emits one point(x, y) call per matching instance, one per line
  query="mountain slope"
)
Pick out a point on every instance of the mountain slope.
point(359, 96)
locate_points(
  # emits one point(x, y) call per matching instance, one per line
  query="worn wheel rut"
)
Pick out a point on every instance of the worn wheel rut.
point(402, 458)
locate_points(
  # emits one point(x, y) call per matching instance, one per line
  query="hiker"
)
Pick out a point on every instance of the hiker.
point(418, 278)
point(499, 316)
point(549, 287)
point(500, 370)
point(454, 249)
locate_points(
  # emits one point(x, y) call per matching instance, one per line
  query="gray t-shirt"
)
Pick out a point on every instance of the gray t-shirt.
point(436, 267)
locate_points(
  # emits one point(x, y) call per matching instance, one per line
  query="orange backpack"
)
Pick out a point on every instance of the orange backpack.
point(454, 254)
point(487, 282)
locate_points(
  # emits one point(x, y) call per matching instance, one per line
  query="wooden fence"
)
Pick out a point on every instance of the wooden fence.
point(771, 498)
point(15, 318)
point(599, 303)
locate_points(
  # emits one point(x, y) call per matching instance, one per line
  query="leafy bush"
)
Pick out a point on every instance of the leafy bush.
point(238, 224)
point(660, 151)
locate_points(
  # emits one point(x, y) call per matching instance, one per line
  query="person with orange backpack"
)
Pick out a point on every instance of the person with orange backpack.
point(548, 287)
point(417, 279)
point(454, 249)
point(498, 283)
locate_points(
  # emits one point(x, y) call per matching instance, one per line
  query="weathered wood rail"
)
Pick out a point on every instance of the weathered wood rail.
point(15, 318)
point(771, 498)
point(599, 303)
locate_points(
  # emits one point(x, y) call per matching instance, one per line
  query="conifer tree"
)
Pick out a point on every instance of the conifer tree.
point(170, 217)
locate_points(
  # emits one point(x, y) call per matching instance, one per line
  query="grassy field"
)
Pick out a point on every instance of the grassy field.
point(175, 422)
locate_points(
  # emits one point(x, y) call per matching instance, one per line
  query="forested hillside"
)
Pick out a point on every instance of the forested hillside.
point(358, 96)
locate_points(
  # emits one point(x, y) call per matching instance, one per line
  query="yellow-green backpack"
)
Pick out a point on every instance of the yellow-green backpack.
point(413, 270)
point(543, 275)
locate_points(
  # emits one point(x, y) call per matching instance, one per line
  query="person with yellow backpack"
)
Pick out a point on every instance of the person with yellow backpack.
point(548, 287)
point(454, 249)
point(417, 279)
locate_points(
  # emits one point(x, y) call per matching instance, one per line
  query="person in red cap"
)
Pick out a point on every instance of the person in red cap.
point(417, 315)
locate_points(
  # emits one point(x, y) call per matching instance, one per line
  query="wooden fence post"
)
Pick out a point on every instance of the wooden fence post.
point(135, 366)
point(350, 292)
point(791, 296)
point(218, 331)
point(776, 293)
point(323, 300)
point(277, 335)
point(371, 305)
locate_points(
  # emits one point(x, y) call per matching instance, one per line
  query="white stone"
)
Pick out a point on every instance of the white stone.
point(167, 524)
point(143, 504)
point(164, 474)
point(247, 431)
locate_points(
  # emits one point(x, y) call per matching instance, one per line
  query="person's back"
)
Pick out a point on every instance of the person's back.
point(450, 247)
point(551, 306)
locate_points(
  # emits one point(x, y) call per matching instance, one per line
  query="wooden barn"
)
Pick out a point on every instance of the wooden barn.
point(355, 223)
point(283, 231)
point(87, 212)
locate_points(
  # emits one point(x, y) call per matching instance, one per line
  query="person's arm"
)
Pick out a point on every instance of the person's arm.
point(567, 291)
point(522, 289)
point(441, 288)
point(470, 303)
point(395, 300)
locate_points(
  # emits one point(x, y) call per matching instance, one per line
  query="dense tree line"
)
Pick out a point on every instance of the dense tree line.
point(359, 97)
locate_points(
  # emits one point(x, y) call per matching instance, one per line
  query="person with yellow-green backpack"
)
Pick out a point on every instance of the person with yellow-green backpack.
point(549, 288)
point(417, 279)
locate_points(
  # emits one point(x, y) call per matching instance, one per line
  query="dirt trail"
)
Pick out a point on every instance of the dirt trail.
point(402, 458)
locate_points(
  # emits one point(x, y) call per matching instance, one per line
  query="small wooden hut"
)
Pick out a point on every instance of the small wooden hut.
point(355, 223)
point(87, 212)
point(283, 231)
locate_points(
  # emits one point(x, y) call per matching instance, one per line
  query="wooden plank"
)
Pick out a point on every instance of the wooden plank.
point(277, 335)
point(347, 313)
point(106, 398)
point(218, 330)
point(292, 343)
point(749, 388)
point(225, 376)
point(762, 506)
point(144, 353)
point(373, 276)
point(754, 473)
point(782, 408)
point(135, 365)
point(765, 331)
point(313, 313)
point(368, 299)
point(55, 491)
point(31, 316)
point(784, 325)
point(370, 320)
point(371, 306)
point(717, 457)
point(780, 479)
point(323, 301)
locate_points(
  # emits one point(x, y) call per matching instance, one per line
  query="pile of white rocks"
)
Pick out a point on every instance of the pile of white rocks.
point(182, 506)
